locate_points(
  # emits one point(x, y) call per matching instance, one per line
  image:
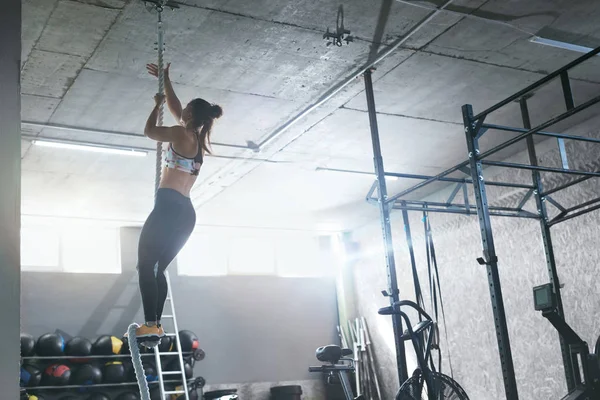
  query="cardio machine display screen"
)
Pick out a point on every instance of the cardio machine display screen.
point(543, 297)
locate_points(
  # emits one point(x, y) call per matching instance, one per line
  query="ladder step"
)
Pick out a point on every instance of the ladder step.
point(172, 372)
point(175, 392)
point(170, 334)
point(168, 353)
point(166, 316)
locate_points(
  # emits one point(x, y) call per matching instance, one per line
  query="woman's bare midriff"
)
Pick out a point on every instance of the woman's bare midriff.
point(177, 180)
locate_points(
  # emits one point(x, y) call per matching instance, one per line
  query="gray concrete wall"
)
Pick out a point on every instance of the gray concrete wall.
point(10, 195)
point(253, 329)
point(471, 335)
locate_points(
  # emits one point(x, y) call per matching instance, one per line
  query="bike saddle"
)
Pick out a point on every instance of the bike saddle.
point(418, 328)
point(332, 353)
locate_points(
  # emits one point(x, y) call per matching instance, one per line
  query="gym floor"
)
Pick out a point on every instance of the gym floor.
point(286, 248)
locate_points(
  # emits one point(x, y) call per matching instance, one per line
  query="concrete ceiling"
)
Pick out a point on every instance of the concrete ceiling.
point(264, 62)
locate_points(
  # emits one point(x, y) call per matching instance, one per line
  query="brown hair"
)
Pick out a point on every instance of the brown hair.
point(203, 115)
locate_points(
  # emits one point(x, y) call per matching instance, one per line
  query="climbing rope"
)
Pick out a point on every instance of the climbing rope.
point(138, 367)
point(136, 357)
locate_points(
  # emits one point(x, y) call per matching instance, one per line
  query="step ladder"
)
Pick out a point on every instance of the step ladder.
point(170, 327)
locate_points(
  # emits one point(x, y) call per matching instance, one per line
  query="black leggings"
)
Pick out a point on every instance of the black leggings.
point(166, 230)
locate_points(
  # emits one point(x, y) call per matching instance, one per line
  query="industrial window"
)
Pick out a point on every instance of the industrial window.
point(40, 249)
point(203, 255)
point(91, 250)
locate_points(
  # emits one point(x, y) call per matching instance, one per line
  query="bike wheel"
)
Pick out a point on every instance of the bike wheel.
point(444, 388)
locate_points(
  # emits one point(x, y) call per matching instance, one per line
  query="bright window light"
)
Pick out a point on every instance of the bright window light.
point(92, 148)
point(92, 251)
point(40, 249)
point(301, 257)
point(560, 45)
point(203, 255)
point(251, 255)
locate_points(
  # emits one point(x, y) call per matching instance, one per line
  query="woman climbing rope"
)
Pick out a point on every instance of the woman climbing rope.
point(172, 220)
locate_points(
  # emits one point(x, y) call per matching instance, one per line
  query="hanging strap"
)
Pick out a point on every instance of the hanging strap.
point(434, 284)
point(416, 283)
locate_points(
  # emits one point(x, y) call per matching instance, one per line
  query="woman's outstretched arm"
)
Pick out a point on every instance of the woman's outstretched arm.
point(172, 101)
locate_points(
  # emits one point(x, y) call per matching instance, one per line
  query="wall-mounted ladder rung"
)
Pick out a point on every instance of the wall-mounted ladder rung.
point(172, 373)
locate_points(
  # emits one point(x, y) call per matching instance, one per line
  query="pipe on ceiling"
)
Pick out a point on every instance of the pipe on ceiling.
point(351, 78)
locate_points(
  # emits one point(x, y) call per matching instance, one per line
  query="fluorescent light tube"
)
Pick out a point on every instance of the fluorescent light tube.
point(95, 149)
point(560, 45)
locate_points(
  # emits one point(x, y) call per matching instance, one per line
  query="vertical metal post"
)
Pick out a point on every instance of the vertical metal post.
point(10, 196)
point(384, 211)
point(547, 240)
point(490, 258)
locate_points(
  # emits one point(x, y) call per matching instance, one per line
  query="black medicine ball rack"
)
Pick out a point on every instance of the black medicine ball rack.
point(196, 355)
point(106, 350)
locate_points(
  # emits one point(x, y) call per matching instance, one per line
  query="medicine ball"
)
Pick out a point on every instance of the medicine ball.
point(129, 372)
point(174, 366)
point(128, 396)
point(165, 344)
point(189, 341)
point(30, 376)
point(98, 396)
point(56, 375)
point(78, 347)
point(86, 374)
point(114, 372)
point(34, 397)
point(27, 345)
point(50, 345)
point(150, 372)
point(155, 393)
point(125, 345)
point(107, 345)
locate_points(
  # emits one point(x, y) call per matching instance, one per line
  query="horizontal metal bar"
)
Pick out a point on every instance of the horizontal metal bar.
point(185, 353)
point(427, 177)
point(567, 185)
point(427, 181)
point(460, 180)
point(98, 385)
point(454, 205)
point(539, 83)
point(542, 133)
point(464, 212)
point(62, 127)
point(540, 127)
point(539, 168)
point(577, 214)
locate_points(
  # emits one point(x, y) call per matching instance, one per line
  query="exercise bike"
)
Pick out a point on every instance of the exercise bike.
point(332, 355)
point(425, 383)
point(588, 388)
